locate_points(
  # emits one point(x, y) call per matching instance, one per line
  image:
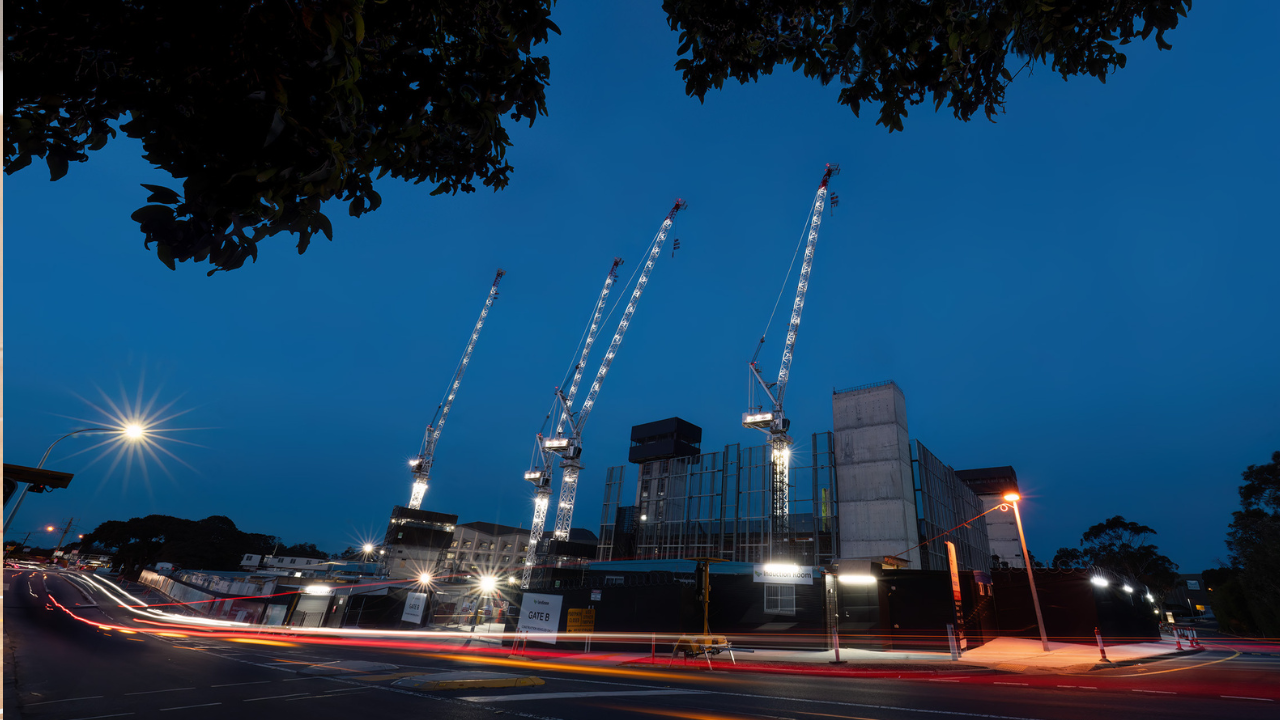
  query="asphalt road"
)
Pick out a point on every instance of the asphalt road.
point(70, 662)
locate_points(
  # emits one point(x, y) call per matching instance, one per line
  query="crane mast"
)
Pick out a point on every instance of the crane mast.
point(774, 421)
point(421, 465)
point(570, 448)
point(540, 473)
point(570, 456)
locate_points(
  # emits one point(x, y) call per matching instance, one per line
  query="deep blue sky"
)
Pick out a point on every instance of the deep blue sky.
point(1085, 290)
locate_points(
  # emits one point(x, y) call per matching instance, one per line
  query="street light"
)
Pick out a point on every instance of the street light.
point(1012, 498)
point(132, 432)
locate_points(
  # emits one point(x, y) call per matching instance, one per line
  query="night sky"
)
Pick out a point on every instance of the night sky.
point(1085, 290)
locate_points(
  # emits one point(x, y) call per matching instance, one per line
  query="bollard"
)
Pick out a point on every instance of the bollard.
point(1195, 638)
point(1101, 648)
point(951, 641)
point(1177, 636)
point(835, 642)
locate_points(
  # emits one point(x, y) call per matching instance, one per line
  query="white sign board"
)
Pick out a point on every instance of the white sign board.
point(782, 574)
point(413, 607)
point(540, 614)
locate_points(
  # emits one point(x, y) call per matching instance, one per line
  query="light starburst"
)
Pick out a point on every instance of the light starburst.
point(138, 426)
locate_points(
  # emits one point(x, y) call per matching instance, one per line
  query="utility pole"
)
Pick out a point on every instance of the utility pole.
point(65, 530)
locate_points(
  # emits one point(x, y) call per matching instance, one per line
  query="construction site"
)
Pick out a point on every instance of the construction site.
point(857, 528)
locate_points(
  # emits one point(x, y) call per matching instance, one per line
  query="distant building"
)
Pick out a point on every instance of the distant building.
point(944, 503)
point(416, 541)
point(1190, 597)
point(991, 484)
point(294, 566)
point(485, 548)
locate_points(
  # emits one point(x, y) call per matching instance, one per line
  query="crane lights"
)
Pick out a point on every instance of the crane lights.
point(774, 422)
point(569, 447)
point(421, 465)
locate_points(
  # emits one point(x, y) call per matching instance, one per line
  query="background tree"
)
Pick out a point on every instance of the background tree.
point(214, 543)
point(267, 110)
point(896, 53)
point(1120, 546)
point(1248, 598)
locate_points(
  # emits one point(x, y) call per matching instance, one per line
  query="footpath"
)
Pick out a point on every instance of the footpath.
point(1005, 654)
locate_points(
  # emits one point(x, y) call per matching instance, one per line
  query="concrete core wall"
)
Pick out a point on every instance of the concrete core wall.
point(873, 474)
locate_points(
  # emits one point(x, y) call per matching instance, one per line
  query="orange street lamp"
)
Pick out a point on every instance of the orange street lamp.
point(1012, 498)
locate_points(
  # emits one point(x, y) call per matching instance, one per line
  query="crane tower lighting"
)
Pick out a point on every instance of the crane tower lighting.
point(568, 446)
point(426, 456)
point(774, 421)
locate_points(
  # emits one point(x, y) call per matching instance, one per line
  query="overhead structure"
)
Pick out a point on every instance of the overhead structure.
point(567, 440)
point(421, 465)
point(772, 420)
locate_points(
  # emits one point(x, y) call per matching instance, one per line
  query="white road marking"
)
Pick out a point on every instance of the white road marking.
point(50, 702)
point(254, 682)
point(188, 707)
point(275, 697)
point(1158, 692)
point(560, 696)
point(944, 681)
point(99, 717)
point(152, 692)
point(1008, 683)
point(311, 677)
point(357, 689)
point(1242, 697)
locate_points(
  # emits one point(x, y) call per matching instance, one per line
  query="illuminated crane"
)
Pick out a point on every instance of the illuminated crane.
point(773, 421)
point(540, 474)
point(569, 447)
point(421, 465)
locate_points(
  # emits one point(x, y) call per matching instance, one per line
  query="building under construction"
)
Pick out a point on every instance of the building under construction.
point(689, 503)
point(863, 492)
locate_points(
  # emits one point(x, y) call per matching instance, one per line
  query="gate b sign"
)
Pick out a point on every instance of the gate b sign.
point(540, 615)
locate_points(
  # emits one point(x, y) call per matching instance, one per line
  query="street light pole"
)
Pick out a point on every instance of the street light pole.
point(132, 432)
point(1026, 557)
point(27, 486)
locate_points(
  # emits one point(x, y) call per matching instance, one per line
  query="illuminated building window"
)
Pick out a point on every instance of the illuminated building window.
point(780, 599)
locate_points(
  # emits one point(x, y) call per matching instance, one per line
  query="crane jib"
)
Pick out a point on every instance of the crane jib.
point(421, 466)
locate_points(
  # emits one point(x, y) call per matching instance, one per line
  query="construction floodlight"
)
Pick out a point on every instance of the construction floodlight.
point(557, 443)
point(757, 419)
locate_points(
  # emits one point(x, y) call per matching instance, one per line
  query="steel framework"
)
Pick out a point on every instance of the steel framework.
point(568, 446)
point(421, 465)
point(774, 421)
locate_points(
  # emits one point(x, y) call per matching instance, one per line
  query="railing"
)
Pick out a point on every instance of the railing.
point(868, 386)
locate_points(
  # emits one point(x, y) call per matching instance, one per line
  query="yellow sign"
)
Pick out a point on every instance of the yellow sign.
point(581, 620)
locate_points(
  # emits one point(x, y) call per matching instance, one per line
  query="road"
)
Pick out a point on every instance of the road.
point(78, 655)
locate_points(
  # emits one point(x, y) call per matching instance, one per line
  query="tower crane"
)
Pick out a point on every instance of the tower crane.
point(540, 473)
point(774, 421)
point(569, 446)
point(421, 465)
